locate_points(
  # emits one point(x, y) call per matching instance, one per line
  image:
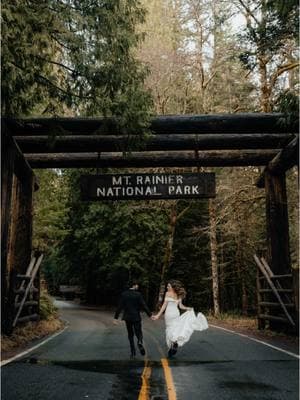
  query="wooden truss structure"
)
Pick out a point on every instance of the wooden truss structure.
point(229, 140)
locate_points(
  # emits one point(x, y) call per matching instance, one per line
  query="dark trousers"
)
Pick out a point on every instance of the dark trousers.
point(134, 328)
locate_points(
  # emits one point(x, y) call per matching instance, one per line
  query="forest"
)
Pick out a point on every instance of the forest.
point(133, 59)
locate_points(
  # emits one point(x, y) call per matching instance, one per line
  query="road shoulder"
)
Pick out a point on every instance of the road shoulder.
point(284, 341)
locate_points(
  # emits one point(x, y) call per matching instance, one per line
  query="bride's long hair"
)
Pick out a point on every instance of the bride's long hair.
point(178, 288)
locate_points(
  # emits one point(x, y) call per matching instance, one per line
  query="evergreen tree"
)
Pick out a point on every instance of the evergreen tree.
point(269, 44)
point(76, 57)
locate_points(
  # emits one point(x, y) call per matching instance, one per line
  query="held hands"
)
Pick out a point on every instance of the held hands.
point(154, 317)
point(115, 322)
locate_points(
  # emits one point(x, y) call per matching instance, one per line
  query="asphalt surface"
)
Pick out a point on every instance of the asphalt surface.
point(90, 360)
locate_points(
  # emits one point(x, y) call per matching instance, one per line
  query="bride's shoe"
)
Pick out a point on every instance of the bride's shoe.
point(173, 349)
point(170, 352)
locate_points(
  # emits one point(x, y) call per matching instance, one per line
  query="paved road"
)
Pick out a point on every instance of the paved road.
point(90, 360)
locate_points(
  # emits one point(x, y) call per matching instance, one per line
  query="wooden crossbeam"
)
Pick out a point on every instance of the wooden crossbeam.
point(283, 161)
point(167, 124)
point(152, 159)
point(105, 143)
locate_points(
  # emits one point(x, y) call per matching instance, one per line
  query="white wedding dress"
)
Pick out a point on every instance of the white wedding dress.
point(179, 328)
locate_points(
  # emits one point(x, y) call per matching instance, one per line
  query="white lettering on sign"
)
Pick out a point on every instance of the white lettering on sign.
point(117, 180)
point(117, 191)
point(195, 189)
point(175, 190)
point(159, 179)
point(148, 186)
point(122, 179)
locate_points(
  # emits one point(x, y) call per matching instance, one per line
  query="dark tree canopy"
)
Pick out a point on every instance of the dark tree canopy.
point(73, 57)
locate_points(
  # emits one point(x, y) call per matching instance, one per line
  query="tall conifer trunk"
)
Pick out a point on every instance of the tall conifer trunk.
point(214, 259)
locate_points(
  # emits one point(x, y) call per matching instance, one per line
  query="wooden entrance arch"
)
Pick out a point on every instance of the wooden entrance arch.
point(175, 141)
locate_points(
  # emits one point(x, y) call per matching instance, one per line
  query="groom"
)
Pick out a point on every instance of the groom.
point(132, 303)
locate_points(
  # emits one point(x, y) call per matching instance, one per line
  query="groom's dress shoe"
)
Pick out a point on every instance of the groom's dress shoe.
point(133, 354)
point(142, 350)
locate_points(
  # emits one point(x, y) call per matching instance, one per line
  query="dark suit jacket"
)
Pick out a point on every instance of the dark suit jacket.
point(131, 303)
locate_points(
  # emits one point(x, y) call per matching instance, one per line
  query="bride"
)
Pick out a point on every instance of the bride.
point(179, 328)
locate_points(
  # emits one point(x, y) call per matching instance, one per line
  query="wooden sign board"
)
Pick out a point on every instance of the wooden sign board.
point(147, 186)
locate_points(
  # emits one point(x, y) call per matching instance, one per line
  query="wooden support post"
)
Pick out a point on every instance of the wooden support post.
point(278, 251)
point(277, 224)
point(17, 187)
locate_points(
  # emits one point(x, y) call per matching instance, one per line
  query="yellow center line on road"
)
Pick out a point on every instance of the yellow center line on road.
point(144, 392)
point(171, 391)
point(169, 379)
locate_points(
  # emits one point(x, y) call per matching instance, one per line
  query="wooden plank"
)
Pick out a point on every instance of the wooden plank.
point(272, 304)
point(32, 317)
point(273, 277)
point(27, 303)
point(273, 318)
point(274, 289)
point(278, 290)
point(28, 272)
point(285, 276)
point(152, 159)
point(105, 143)
point(163, 124)
point(22, 291)
point(23, 277)
point(34, 272)
point(267, 268)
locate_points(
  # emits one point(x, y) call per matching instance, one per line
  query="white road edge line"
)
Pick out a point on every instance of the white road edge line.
point(9, 360)
point(258, 341)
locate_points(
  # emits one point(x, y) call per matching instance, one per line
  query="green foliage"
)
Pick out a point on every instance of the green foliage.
point(74, 56)
point(287, 15)
point(47, 308)
point(287, 102)
point(50, 210)
point(108, 243)
point(191, 255)
point(268, 32)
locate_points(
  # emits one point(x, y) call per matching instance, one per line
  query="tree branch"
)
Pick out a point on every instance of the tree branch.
point(281, 70)
point(56, 63)
point(249, 11)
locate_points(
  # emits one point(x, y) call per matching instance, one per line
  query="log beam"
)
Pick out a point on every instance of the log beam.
point(283, 161)
point(169, 124)
point(103, 143)
point(152, 159)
